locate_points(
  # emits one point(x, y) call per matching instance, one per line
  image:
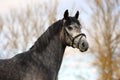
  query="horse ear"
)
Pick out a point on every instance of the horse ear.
point(66, 14)
point(77, 15)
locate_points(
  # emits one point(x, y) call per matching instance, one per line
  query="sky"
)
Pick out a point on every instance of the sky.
point(6, 5)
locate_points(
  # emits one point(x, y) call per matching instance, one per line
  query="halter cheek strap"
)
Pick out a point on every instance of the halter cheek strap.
point(72, 38)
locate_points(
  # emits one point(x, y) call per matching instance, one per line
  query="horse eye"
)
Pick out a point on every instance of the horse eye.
point(70, 28)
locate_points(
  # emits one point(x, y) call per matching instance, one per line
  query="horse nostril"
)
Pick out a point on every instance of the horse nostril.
point(83, 44)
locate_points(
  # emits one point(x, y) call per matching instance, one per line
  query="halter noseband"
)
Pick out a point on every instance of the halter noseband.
point(73, 38)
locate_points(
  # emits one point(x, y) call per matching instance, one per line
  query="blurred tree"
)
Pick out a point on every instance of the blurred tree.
point(105, 37)
point(22, 27)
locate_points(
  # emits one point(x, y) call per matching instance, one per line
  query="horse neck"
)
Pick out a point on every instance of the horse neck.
point(49, 49)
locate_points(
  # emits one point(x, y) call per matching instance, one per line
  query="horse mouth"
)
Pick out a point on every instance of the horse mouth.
point(83, 50)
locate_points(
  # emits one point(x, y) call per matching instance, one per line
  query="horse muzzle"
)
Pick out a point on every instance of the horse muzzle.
point(83, 44)
point(80, 42)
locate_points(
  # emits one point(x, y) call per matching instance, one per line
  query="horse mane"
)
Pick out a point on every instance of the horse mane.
point(45, 38)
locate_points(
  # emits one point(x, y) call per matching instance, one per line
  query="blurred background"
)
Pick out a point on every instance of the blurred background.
point(23, 21)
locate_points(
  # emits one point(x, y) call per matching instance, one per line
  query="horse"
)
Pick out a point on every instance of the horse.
point(43, 60)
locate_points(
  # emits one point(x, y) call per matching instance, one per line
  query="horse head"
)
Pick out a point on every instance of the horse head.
point(72, 32)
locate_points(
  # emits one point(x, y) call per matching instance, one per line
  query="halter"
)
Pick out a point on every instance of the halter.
point(73, 38)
